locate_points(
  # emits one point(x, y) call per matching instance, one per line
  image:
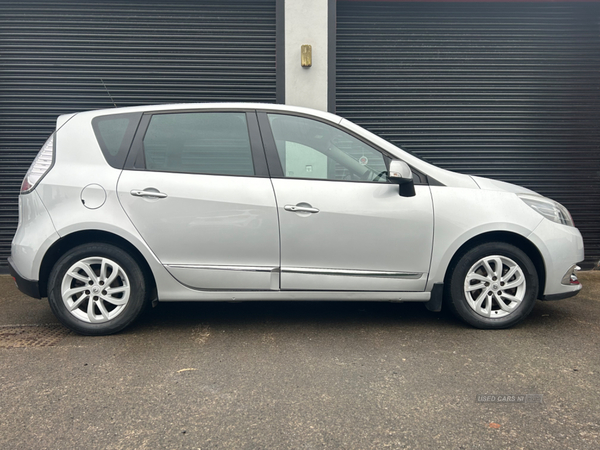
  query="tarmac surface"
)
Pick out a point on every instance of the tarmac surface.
point(302, 375)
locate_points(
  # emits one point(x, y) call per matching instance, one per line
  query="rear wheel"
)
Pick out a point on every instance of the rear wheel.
point(493, 285)
point(97, 289)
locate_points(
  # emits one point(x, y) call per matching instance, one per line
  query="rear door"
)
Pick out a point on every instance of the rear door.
point(196, 187)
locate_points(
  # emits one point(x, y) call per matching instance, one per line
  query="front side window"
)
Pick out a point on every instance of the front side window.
point(199, 142)
point(311, 149)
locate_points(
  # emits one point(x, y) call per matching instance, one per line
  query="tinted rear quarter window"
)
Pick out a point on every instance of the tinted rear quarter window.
point(115, 134)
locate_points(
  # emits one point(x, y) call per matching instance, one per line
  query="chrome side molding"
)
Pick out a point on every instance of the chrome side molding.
point(353, 273)
point(218, 267)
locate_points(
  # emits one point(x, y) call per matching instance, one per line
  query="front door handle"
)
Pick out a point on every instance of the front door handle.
point(301, 208)
point(148, 192)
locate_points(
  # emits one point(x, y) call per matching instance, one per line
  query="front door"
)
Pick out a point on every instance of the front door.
point(343, 226)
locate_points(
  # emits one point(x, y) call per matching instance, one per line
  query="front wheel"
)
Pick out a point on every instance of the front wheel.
point(96, 289)
point(493, 285)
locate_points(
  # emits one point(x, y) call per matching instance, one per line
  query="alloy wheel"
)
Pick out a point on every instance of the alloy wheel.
point(95, 290)
point(495, 286)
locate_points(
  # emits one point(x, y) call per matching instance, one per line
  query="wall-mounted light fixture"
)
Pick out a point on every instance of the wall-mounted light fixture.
point(306, 55)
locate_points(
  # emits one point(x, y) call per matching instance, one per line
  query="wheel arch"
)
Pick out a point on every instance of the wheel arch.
point(66, 243)
point(510, 238)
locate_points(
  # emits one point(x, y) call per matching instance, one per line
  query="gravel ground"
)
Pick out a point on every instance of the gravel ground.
point(302, 375)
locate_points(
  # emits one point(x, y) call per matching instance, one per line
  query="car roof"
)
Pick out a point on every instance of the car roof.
point(212, 106)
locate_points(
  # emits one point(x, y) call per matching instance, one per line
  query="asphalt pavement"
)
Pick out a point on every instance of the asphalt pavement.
point(302, 375)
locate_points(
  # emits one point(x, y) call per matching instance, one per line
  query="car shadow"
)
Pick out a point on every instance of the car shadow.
point(325, 313)
point(545, 317)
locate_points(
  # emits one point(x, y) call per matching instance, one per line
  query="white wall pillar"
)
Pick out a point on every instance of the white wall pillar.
point(306, 22)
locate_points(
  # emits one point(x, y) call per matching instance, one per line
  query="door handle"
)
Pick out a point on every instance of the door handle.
point(148, 193)
point(298, 208)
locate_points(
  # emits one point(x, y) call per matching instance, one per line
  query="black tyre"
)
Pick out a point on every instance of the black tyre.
point(493, 285)
point(97, 289)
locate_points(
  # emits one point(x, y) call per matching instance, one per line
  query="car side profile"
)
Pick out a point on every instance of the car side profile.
point(239, 201)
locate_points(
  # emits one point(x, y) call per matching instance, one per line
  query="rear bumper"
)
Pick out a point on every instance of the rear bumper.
point(28, 287)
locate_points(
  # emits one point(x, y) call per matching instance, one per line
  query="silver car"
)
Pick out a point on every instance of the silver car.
point(212, 202)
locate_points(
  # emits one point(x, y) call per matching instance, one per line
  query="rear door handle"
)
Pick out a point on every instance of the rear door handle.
point(298, 208)
point(148, 192)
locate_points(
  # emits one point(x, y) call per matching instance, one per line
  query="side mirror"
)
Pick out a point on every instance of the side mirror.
point(400, 173)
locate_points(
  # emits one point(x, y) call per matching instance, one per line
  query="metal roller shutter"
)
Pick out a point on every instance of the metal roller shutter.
point(503, 90)
point(63, 56)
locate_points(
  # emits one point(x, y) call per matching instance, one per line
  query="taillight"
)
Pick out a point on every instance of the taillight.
point(40, 166)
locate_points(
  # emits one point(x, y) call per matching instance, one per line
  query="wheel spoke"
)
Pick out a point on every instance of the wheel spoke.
point(103, 265)
point(113, 300)
point(115, 272)
point(512, 298)
point(474, 287)
point(477, 277)
point(485, 307)
point(480, 299)
point(87, 269)
point(76, 275)
point(478, 306)
point(501, 303)
point(103, 310)
point(488, 268)
point(78, 302)
point(509, 274)
point(117, 290)
point(74, 291)
point(90, 312)
point(516, 283)
point(499, 264)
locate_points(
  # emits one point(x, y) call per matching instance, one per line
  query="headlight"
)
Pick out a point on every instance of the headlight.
point(548, 208)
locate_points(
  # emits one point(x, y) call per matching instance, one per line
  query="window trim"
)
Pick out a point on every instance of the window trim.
point(136, 158)
point(275, 167)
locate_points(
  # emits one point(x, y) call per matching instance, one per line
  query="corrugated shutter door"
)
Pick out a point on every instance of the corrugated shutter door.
point(64, 56)
point(509, 91)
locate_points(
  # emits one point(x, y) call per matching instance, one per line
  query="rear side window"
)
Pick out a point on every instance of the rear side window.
point(115, 134)
point(214, 143)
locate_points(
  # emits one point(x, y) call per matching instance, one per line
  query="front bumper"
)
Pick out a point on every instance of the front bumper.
point(561, 247)
point(28, 287)
point(560, 296)
point(570, 279)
